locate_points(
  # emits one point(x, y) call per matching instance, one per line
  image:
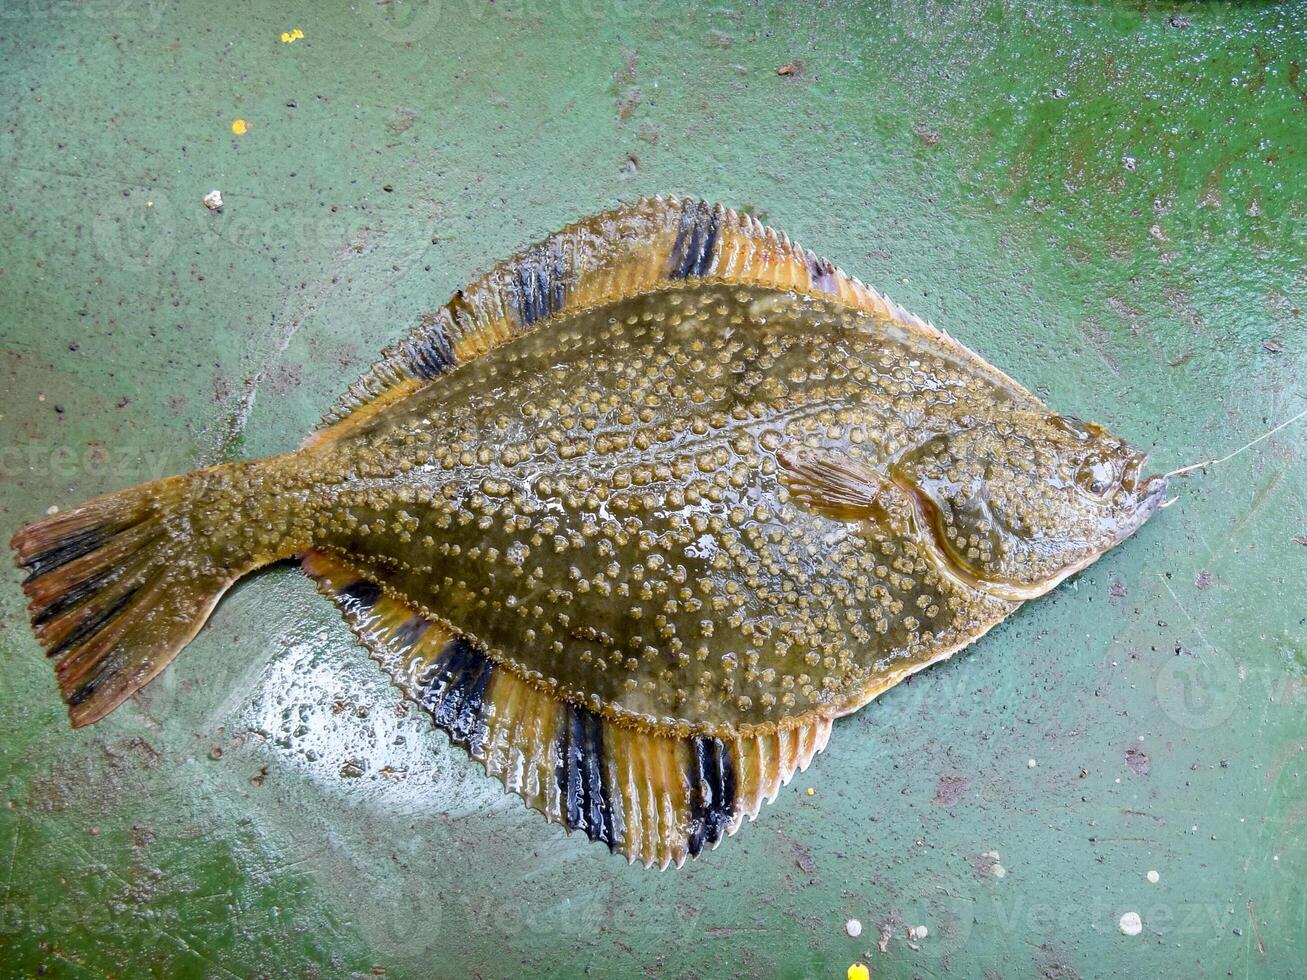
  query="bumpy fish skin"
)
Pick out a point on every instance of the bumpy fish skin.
point(600, 505)
point(633, 517)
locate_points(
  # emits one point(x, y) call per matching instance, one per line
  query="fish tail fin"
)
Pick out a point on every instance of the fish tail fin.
point(119, 585)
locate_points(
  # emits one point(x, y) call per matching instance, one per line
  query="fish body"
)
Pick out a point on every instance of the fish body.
point(634, 517)
point(603, 506)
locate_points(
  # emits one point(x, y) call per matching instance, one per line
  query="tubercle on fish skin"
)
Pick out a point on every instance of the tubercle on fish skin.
point(255, 510)
point(893, 677)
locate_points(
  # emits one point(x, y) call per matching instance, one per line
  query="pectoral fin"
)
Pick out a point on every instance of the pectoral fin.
point(830, 482)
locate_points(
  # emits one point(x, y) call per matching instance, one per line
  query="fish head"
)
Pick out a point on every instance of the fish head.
point(1014, 504)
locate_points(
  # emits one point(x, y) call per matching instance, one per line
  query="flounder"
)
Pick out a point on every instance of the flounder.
point(634, 518)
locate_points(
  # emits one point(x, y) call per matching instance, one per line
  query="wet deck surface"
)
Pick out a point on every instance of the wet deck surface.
point(1108, 206)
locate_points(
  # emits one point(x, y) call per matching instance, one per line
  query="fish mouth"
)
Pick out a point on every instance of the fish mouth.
point(1149, 492)
point(1154, 491)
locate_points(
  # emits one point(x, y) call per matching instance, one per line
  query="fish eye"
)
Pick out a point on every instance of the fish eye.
point(1096, 477)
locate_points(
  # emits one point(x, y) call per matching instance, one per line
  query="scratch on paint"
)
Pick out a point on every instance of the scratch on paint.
point(207, 898)
point(299, 305)
point(282, 868)
point(1261, 498)
point(13, 860)
point(294, 319)
point(1257, 933)
point(1092, 331)
point(195, 952)
point(1192, 622)
point(89, 862)
point(71, 961)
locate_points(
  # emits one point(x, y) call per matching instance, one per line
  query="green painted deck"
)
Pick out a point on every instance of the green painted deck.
point(1109, 204)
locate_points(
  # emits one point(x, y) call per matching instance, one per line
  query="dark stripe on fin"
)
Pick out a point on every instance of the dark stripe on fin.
point(712, 792)
point(73, 597)
point(361, 593)
point(69, 549)
point(429, 351)
point(696, 240)
point(454, 692)
point(825, 276)
point(582, 775)
point(92, 625)
point(408, 635)
point(538, 284)
point(105, 670)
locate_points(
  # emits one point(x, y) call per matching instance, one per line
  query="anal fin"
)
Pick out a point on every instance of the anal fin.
point(655, 798)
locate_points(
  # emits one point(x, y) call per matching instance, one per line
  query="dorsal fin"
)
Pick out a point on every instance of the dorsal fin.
point(654, 798)
point(618, 253)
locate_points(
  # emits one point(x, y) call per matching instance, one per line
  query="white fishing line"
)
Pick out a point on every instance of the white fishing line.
point(1212, 462)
